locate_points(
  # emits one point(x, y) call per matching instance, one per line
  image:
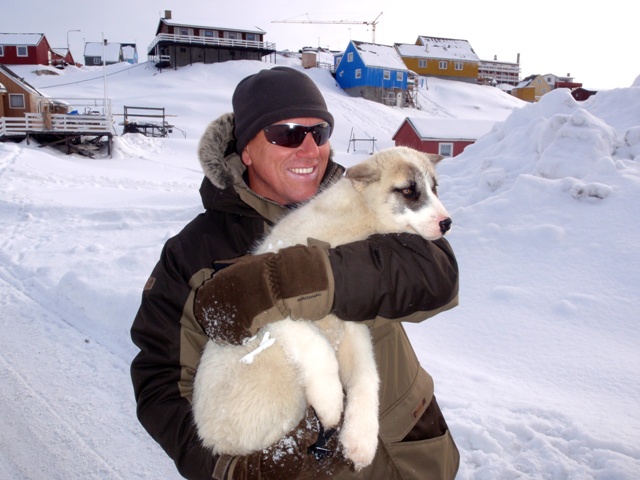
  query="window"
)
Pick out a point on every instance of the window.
point(22, 51)
point(185, 31)
point(350, 57)
point(386, 74)
point(458, 65)
point(1, 51)
point(252, 37)
point(16, 100)
point(443, 65)
point(445, 149)
point(358, 73)
point(399, 76)
point(97, 61)
point(422, 63)
point(207, 33)
point(231, 35)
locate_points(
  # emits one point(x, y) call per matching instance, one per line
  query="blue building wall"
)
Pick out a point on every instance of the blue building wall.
point(370, 76)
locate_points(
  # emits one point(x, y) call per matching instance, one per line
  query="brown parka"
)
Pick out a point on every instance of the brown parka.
point(414, 442)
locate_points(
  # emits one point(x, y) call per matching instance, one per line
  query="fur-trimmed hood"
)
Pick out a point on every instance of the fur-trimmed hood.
point(220, 162)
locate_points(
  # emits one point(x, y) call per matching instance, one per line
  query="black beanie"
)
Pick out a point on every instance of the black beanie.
point(271, 96)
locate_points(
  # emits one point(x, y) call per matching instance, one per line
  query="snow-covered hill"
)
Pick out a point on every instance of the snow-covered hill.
point(537, 370)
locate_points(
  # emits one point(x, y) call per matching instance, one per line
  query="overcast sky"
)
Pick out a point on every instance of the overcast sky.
point(597, 46)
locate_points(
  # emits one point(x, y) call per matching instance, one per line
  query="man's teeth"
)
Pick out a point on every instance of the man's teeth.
point(302, 170)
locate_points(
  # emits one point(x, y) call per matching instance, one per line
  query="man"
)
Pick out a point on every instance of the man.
point(269, 155)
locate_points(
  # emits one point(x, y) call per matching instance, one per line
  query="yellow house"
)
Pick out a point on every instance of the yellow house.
point(532, 88)
point(441, 57)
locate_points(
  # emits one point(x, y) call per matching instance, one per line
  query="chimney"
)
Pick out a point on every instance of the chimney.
point(167, 14)
point(518, 59)
point(495, 57)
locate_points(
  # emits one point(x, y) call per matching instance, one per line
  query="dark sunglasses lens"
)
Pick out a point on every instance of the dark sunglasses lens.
point(292, 136)
point(321, 133)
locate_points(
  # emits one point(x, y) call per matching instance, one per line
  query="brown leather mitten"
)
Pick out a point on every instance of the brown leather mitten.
point(308, 451)
point(254, 290)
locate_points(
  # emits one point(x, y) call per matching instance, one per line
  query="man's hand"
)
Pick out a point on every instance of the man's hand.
point(308, 451)
point(255, 290)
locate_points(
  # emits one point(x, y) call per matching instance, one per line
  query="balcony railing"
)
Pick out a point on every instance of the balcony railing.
point(55, 123)
point(214, 42)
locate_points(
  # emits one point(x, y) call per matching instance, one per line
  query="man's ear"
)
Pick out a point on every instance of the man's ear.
point(246, 156)
point(363, 174)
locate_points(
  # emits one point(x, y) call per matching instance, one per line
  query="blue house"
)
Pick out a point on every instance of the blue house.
point(372, 71)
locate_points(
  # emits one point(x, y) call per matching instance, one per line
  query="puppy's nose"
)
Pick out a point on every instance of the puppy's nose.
point(445, 225)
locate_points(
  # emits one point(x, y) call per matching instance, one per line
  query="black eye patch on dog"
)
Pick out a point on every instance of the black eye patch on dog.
point(410, 192)
point(412, 195)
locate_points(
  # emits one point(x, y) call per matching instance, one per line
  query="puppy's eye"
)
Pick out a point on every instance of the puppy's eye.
point(409, 192)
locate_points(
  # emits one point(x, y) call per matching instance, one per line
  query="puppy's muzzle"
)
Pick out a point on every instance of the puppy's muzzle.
point(445, 225)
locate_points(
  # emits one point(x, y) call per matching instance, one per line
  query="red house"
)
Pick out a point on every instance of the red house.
point(445, 136)
point(61, 57)
point(24, 49)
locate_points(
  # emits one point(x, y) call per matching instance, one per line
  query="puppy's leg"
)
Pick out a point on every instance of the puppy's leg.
point(359, 374)
point(314, 357)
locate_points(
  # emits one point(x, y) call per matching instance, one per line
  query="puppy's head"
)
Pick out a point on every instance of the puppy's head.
point(400, 187)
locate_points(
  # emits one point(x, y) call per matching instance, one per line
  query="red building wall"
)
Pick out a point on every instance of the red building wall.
point(36, 55)
point(407, 137)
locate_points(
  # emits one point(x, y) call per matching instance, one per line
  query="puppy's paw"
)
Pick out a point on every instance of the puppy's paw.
point(328, 401)
point(359, 439)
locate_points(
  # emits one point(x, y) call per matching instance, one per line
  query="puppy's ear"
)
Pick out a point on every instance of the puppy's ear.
point(363, 174)
point(434, 157)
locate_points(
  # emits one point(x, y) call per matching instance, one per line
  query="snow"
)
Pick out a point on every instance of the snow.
point(537, 370)
point(440, 48)
point(383, 56)
point(29, 39)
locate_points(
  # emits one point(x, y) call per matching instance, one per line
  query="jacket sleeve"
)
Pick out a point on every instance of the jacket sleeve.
point(393, 276)
point(162, 370)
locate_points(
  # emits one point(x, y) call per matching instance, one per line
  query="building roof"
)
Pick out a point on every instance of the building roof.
point(111, 51)
point(525, 82)
point(449, 128)
point(440, 48)
point(199, 24)
point(28, 39)
point(375, 55)
point(14, 77)
point(60, 51)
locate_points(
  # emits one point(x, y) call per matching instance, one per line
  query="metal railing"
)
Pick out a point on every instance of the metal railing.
point(214, 42)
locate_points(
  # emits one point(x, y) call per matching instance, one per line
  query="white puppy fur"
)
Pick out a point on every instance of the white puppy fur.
point(247, 397)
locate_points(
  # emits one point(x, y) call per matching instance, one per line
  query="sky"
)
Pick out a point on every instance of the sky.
point(537, 370)
point(596, 46)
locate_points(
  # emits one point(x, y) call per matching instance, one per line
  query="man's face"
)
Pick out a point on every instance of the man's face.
point(282, 174)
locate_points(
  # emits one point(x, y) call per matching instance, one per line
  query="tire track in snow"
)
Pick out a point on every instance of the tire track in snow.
point(27, 413)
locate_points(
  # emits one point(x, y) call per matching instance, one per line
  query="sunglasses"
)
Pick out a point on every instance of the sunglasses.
point(291, 135)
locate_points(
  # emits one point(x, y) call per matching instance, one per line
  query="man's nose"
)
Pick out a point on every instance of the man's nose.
point(309, 145)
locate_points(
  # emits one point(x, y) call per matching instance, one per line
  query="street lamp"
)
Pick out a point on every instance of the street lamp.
point(68, 32)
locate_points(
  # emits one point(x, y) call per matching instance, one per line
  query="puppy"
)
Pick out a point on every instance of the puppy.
point(249, 396)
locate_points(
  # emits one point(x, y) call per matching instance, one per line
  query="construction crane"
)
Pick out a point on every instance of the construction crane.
point(343, 22)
